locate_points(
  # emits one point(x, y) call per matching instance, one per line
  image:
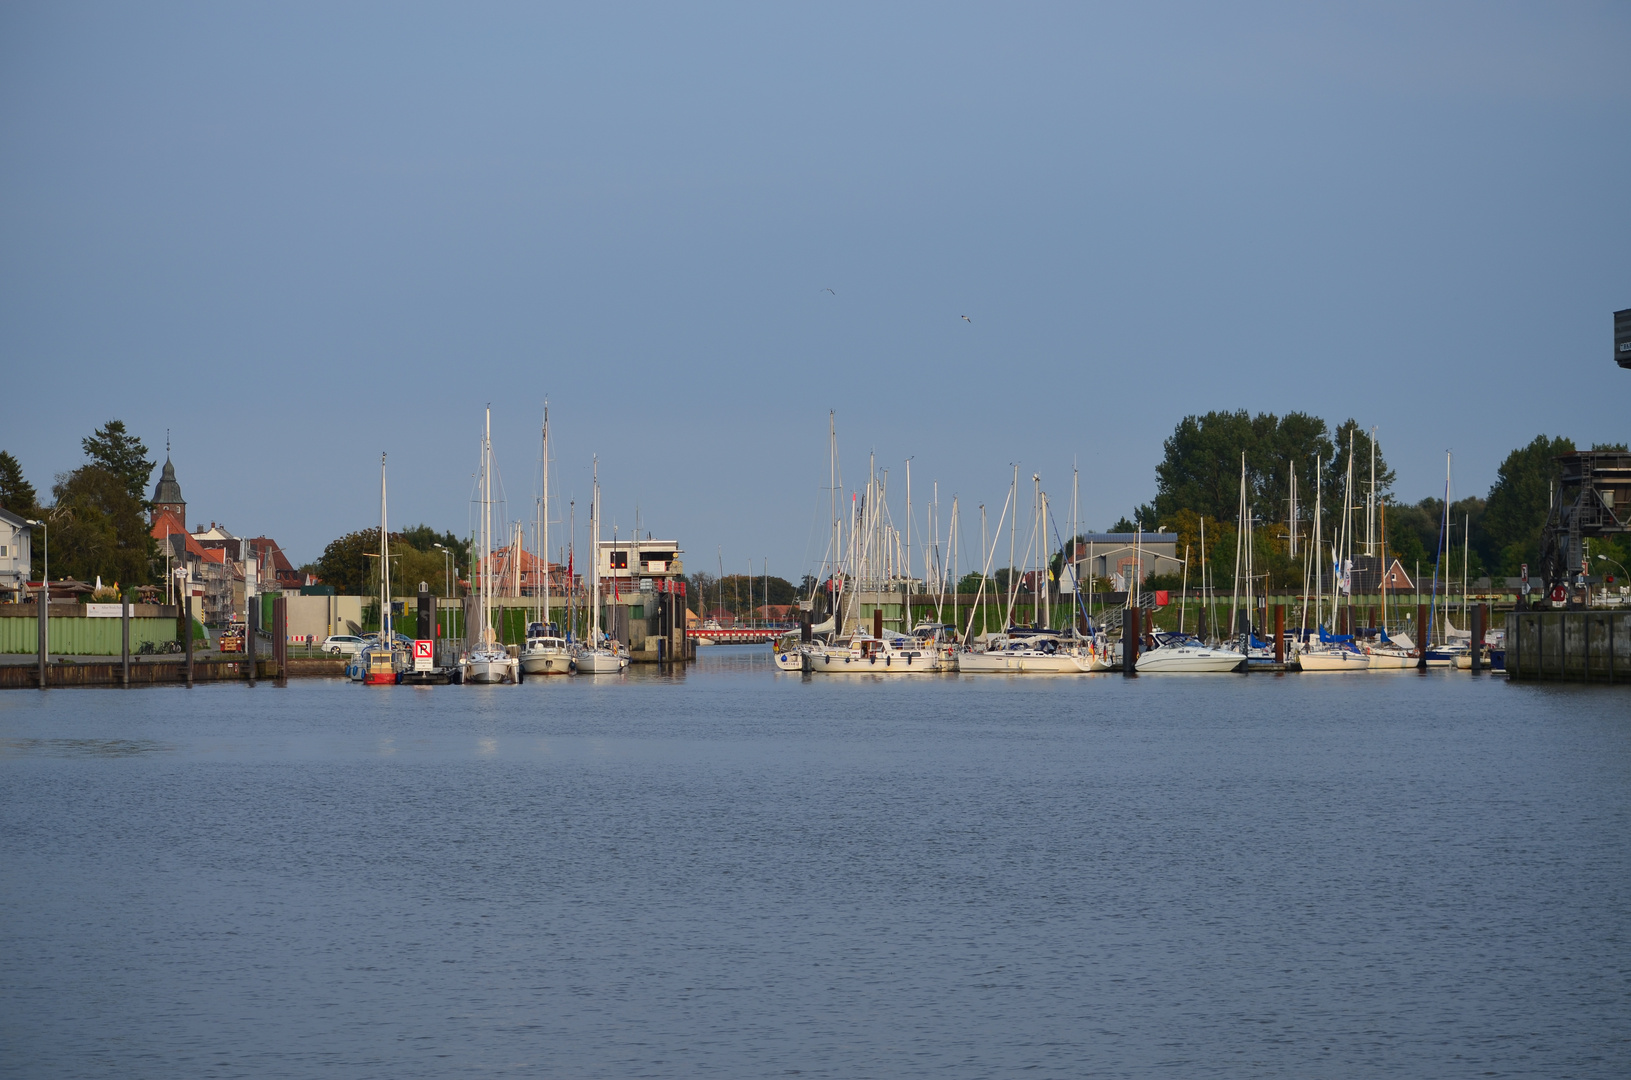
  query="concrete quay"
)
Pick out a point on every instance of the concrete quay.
point(1569, 646)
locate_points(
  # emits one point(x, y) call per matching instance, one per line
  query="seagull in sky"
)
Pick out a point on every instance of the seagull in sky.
point(966, 319)
point(829, 290)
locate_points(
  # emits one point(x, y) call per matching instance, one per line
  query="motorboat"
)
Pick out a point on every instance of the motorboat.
point(545, 653)
point(1175, 652)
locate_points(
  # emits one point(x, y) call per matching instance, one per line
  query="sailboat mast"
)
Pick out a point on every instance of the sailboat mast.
point(543, 517)
point(594, 560)
point(384, 565)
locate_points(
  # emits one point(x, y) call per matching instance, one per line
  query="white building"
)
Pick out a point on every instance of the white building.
point(16, 553)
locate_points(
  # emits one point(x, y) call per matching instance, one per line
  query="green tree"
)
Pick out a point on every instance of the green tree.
point(16, 493)
point(346, 565)
point(1515, 513)
point(117, 451)
point(1201, 466)
point(424, 538)
point(1336, 469)
point(98, 528)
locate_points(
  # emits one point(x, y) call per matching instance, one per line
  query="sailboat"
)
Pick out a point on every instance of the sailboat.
point(381, 662)
point(1332, 653)
point(595, 658)
point(1388, 653)
point(545, 652)
point(1174, 652)
point(488, 661)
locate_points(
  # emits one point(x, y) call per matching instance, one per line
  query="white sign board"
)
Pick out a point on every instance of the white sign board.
point(104, 611)
point(424, 655)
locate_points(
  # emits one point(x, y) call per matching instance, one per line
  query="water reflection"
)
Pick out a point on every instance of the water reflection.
point(102, 748)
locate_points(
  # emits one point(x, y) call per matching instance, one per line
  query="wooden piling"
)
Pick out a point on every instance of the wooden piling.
point(280, 639)
point(1421, 637)
point(1477, 642)
point(189, 618)
point(124, 642)
point(1131, 633)
point(1279, 633)
point(42, 605)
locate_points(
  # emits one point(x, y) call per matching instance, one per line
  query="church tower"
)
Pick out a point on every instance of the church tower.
point(167, 496)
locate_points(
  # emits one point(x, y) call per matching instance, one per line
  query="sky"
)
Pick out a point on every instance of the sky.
point(295, 236)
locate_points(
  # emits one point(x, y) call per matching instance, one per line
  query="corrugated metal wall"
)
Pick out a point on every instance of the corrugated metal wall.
point(84, 637)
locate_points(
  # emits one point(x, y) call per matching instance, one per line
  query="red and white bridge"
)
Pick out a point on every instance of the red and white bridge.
point(738, 635)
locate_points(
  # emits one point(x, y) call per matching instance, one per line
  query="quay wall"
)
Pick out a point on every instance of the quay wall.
point(171, 671)
point(1569, 646)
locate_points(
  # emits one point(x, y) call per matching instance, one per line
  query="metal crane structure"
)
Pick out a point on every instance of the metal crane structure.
point(1591, 499)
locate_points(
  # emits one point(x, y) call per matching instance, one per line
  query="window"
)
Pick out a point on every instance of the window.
point(2, 551)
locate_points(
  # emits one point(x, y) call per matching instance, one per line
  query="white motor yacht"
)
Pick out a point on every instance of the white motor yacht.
point(1183, 652)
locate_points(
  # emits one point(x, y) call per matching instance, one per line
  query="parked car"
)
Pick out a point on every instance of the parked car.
point(342, 644)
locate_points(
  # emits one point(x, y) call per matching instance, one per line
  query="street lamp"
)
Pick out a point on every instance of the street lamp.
point(45, 586)
point(447, 569)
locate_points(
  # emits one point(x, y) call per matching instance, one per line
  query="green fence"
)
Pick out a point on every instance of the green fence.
point(80, 636)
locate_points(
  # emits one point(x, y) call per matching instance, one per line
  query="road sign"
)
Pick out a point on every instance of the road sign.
point(424, 655)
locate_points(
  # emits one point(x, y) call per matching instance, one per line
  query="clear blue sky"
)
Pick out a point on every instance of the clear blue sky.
point(297, 235)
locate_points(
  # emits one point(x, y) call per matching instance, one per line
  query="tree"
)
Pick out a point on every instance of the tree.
point(1202, 464)
point(1336, 468)
point(1515, 513)
point(97, 528)
point(16, 493)
point(424, 538)
point(112, 448)
point(345, 562)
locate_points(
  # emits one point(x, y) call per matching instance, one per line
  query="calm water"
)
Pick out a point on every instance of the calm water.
point(739, 873)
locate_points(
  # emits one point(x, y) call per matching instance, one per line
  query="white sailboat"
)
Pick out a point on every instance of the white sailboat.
point(545, 652)
point(488, 661)
point(1328, 653)
point(381, 662)
point(595, 658)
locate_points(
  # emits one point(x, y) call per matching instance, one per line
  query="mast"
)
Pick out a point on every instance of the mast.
point(1012, 527)
point(1240, 530)
point(384, 566)
point(1346, 568)
point(543, 517)
point(1292, 524)
point(487, 529)
point(1205, 602)
point(594, 559)
point(1319, 543)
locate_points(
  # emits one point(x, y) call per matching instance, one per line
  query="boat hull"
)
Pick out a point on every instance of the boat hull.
point(888, 664)
point(380, 678)
point(490, 671)
point(599, 663)
point(1388, 661)
point(1023, 663)
point(550, 663)
point(1334, 660)
point(1191, 661)
point(791, 660)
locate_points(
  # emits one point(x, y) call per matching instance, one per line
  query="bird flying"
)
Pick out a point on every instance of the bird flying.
point(829, 290)
point(966, 319)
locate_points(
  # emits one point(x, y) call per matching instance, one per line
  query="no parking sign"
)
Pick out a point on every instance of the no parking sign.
point(424, 655)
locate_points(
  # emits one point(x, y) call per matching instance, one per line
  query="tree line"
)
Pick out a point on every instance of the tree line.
point(1198, 482)
point(96, 521)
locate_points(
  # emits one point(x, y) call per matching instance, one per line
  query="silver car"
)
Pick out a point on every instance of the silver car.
point(342, 644)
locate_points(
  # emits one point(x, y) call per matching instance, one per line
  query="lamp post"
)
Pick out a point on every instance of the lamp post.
point(45, 597)
point(447, 569)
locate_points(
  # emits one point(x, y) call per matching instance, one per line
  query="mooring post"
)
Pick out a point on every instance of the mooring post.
point(252, 610)
point(1279, 633)
point(189, 617)
point(280, 639)
point(1477, 638)
point(42, 607)
point(1421, 637)
point(1130, 635)
point(124, 641)
point(877, 622)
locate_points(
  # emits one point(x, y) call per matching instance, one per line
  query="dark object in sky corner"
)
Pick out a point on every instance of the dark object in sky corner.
point(1622, 337)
